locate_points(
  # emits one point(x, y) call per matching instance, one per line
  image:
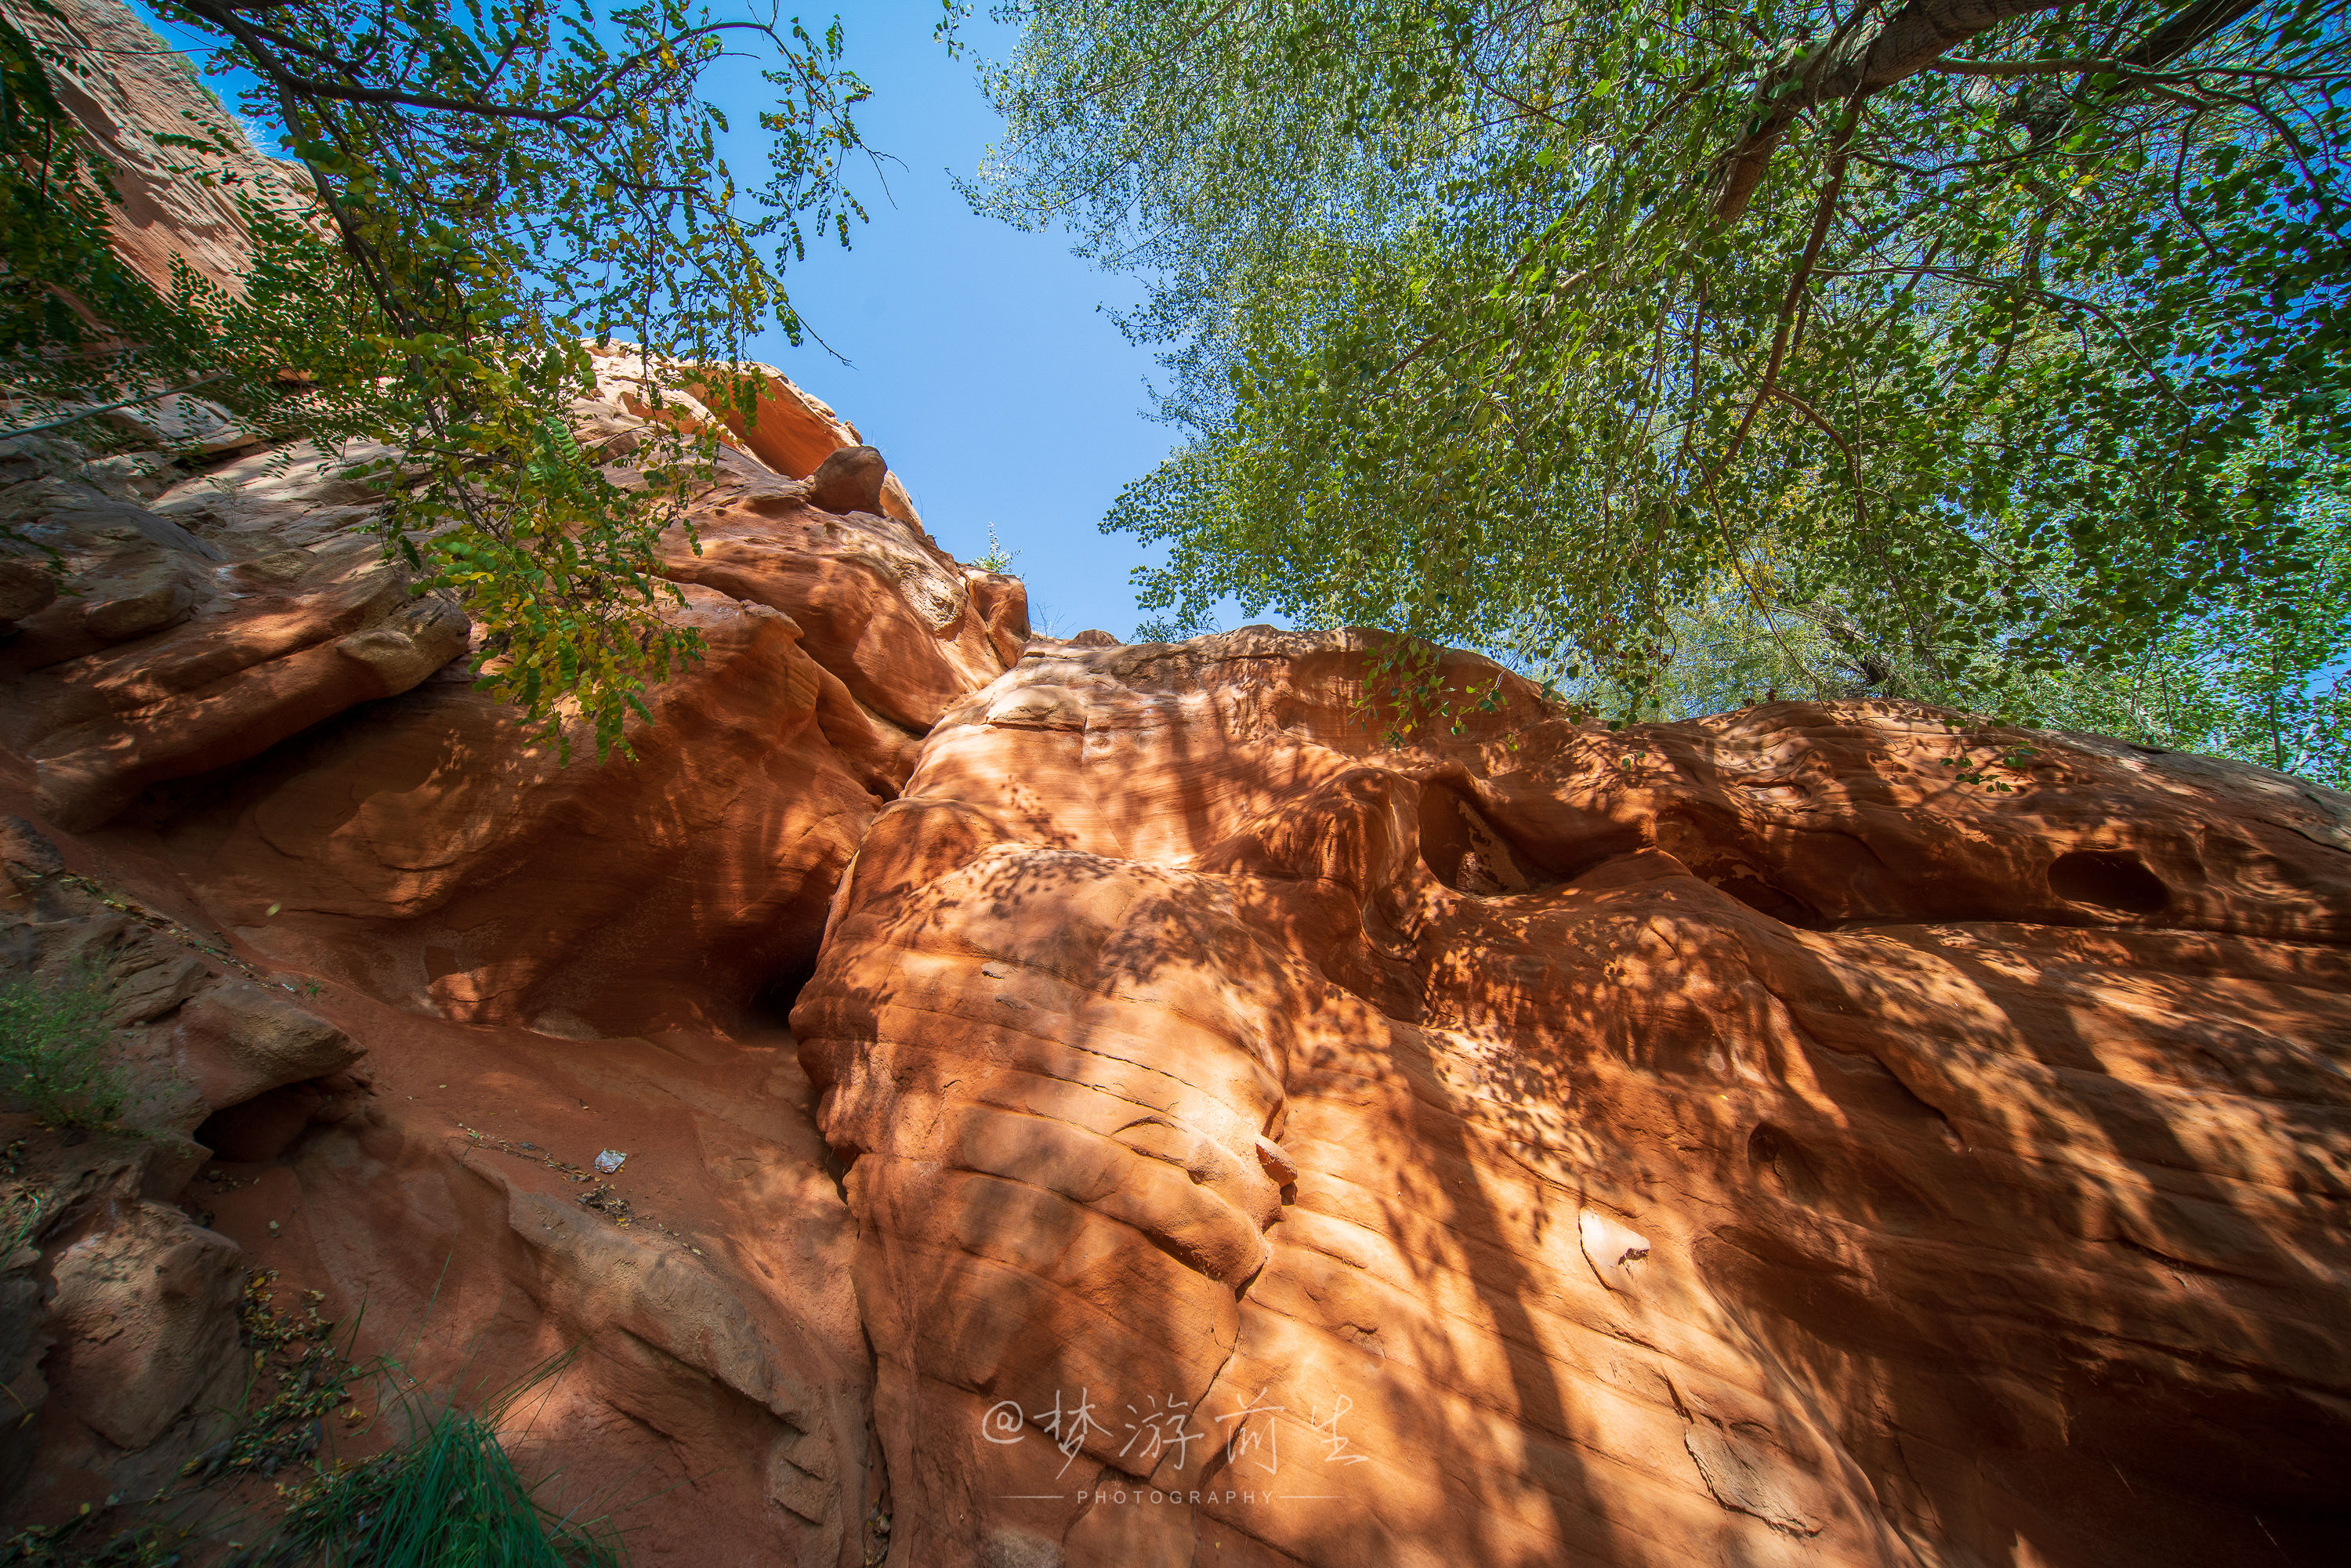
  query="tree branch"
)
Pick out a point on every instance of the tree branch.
point(1907, 42)
point(2061, 67)
point(203, 381)
point(255, 42)
point(1852, 459)
point(1821, 214)
point(258, 48)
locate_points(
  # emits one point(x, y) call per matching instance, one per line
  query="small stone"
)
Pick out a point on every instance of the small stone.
point(27, 588)
point(1277, 1161)
point(848, 481)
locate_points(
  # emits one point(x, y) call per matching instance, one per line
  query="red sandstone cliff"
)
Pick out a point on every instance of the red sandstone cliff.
point(1203, 1132)
point(1729, 1141)
point(405, 976)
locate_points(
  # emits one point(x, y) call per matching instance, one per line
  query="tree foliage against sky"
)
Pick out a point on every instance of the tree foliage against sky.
point(495, 181)
point(2002, 336)
point(2253, 671)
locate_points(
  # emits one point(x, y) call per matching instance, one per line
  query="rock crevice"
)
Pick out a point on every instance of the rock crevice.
point(1210, 1128)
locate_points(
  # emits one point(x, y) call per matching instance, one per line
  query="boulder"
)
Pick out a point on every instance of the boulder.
point(1681, 1132)
point(146, 1325)
point(117, 1315)
point(240, 1039)
point(849, 480)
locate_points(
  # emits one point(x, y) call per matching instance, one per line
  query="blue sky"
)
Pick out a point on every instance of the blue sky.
point(983, 362)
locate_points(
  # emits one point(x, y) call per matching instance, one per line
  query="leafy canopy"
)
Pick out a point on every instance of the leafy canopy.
point(2005, 334)
point(493, 183)
point(2253, 671)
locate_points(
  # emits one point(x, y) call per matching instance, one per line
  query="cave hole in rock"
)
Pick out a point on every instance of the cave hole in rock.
point(266, 1125)
point(1765, 899)
point(1462, 849)
point(2108, 879)
point(771, 1006)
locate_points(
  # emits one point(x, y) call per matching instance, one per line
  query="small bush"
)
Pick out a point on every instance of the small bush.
point(447, 1498)
point(53, 1052)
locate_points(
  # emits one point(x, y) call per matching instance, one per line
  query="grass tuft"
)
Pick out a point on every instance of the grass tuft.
point(450, 1497)
point(53, 1052)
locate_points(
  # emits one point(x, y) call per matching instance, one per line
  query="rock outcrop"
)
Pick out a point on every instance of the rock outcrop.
point(386, 975)
point(1209, 1129)
point(369, 874)
point(1213, 1131)
point(1741, 1141)
point(146, 113)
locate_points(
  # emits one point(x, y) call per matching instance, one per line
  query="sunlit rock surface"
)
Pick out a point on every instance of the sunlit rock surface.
point(274, 775)
point(1744, 1141)
point(1218, 1131)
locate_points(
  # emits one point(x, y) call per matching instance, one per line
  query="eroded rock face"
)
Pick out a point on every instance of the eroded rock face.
point(403, 974)
point(1748, 1142)
point(145, 1306)
point(1740, 1141)
point(240, 631)
point(715, 1402)
point(146, 96)
point(432, 851)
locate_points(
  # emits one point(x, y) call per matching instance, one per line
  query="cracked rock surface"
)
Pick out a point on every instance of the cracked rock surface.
point(960, 1099)
point(1736, 1141)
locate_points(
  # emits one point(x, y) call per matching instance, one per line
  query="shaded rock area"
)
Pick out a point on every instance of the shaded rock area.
point(953, 1097)
point(1740, 1141)
point(387, 974)
point(1208, 1130)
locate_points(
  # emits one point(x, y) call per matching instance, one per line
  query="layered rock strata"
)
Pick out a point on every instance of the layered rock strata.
point(1742, 1140)
point(385, 976)
point(1218, 1130)
point(487, 966)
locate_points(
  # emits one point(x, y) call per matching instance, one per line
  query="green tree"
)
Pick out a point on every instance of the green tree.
point(2253, 670)
point(494, 184)
point(1944, 327)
